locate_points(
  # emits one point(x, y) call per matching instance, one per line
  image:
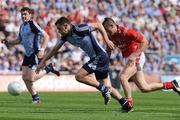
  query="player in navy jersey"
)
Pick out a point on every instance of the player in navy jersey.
point(81, 36)
point(30, 36)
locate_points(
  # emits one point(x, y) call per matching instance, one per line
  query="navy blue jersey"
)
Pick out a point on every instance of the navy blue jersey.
point(81, 36)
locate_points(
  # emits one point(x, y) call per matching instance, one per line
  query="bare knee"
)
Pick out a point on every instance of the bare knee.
point(27, 78)
point(123, 78)
point(78, 77)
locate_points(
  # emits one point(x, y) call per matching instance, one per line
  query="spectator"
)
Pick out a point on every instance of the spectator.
point(156, 19)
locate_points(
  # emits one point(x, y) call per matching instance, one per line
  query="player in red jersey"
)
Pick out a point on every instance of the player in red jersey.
point(132, 45)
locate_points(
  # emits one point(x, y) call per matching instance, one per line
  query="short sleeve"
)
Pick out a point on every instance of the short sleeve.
point(35, 28)
point(90, 27)
point(82, 29)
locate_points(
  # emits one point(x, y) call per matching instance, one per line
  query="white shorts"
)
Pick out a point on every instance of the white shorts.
point(139, 61)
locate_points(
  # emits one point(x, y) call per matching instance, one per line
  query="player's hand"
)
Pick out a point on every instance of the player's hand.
point(132, 59)
point(111, 45)
point(131, 63)
point(4, 41)
point(40, 54)
point(39, 67)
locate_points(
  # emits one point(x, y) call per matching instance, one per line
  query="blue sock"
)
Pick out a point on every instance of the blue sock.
point(48, 69)
point(35, 97)
point(122, 101)
point(101, 87)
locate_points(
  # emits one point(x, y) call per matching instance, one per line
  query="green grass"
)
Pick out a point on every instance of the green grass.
point(89, 106)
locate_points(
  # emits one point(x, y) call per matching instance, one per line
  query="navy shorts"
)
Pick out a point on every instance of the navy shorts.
point(98, 65)
point(31, 61)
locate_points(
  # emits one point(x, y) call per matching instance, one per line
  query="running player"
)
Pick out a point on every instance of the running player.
point(132, 45)
point(81, 36)
point(30, 35)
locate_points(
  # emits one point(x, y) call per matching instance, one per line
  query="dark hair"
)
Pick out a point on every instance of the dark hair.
point(26, 9)
point(108, 21)
point(62, 20)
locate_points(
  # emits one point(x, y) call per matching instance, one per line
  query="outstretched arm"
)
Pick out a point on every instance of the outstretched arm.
point(10, 42)
point(100, 27)
point(47, 57)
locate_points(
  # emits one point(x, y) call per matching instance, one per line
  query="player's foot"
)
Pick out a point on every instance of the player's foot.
point(107, 95)
point(176, 84)
point(126, 107)
point(36, 99)
point(53, 70)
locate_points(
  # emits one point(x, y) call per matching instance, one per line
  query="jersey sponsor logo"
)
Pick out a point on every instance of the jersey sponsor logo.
point(92, 66)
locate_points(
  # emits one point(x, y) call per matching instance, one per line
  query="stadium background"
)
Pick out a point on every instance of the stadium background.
point(155, 19)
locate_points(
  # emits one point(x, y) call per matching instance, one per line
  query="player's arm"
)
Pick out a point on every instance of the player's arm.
point(143, 46)
point(42, 36)
point(14, 42)
point(11, 42)
point(136, 36)
point(45, 40)
point(51, 53)
point(43, 45)
point(109, 50)
point(98, 26)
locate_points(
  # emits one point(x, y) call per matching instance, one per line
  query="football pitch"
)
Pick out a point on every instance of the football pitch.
point(89, 106)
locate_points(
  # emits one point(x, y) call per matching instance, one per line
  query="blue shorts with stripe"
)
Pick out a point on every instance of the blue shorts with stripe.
point(31, 61)
point(98, 65)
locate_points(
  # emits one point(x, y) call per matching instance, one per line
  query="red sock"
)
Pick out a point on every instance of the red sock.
point(168, 85)
point(131, 101)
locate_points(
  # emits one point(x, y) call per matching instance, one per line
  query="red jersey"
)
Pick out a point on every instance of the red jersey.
point(127, 40)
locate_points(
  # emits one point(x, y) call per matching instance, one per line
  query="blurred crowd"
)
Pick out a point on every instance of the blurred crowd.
point(155, 19)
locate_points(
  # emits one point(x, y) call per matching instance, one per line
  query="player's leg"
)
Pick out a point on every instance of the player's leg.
point(49, 68)
point(145, 87)
point(115, 93)
point(85, 77)
point(89, 79)
point(27, 74)
point(125, 75)
point(33, 61)
point(130, 71)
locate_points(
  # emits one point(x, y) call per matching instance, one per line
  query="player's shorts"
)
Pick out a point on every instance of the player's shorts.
point(139, 61)
point(31, 61)
point(98, 65)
